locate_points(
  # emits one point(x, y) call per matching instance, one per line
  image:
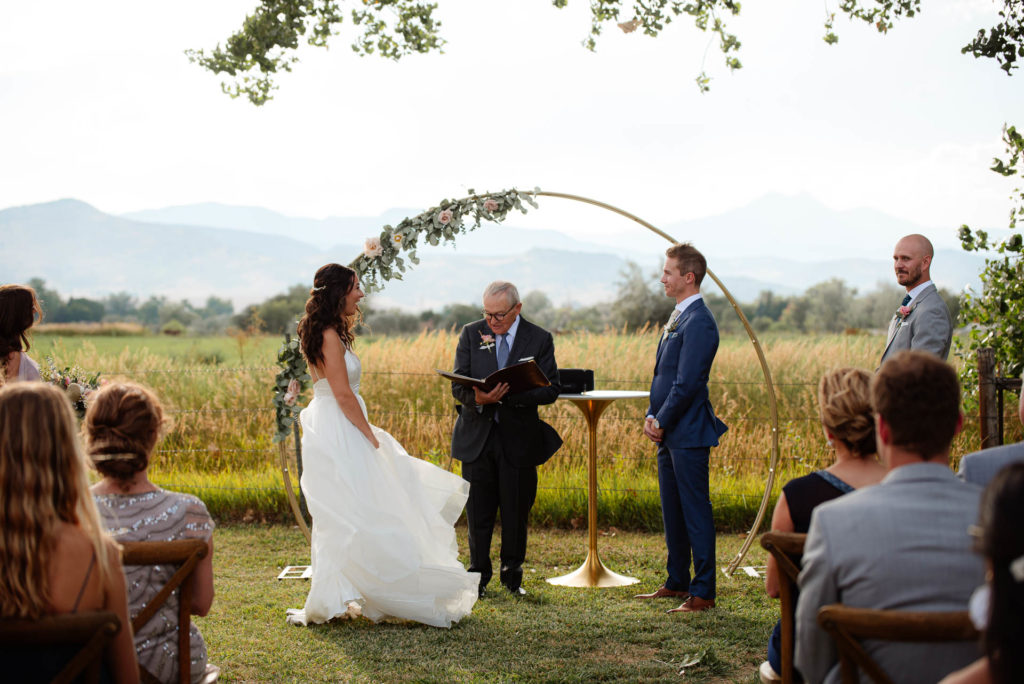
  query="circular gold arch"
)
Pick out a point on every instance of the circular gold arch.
point(772, 401)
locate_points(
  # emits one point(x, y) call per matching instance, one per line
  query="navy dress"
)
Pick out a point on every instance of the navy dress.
point(803, 494)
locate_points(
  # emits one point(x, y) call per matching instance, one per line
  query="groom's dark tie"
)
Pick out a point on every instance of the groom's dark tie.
point(906, 300)
point(502, 350)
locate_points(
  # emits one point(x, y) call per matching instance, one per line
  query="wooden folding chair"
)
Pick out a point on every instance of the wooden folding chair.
point(847, 626)
point(787, 548)
point(186, 554)
point(92, 632)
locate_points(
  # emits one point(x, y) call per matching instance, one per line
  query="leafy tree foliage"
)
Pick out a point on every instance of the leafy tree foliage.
point(265, 45)
point(268, 38)
point(996, 316)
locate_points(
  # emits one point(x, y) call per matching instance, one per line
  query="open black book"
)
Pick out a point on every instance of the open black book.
point(520, 378)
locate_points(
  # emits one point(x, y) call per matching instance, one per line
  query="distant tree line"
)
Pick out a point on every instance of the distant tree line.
point(157, 313)
point(831, 306)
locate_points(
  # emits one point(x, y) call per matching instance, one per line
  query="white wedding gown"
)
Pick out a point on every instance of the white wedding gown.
point(383, 523)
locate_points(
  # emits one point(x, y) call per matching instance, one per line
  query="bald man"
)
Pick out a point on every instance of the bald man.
point(922, 320)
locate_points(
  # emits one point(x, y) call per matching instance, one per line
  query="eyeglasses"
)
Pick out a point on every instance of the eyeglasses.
point(498, 317)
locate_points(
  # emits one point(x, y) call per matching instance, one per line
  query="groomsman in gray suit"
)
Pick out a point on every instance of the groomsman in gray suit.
point(901, 544)
point(922, 320)
point(981, 466)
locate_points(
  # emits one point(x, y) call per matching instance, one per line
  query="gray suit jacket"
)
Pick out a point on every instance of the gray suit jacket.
point(980, 467)
point(927, 327)
point(899, 545)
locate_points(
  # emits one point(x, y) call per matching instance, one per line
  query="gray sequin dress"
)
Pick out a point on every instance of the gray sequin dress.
point(157, 516)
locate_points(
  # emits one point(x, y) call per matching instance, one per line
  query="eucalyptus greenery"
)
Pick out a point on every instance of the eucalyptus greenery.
point(436, 225)
point(996, 315)
point(293, 367)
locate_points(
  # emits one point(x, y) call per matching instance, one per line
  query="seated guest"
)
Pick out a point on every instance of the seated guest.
point(1002, 605)
point(122, 425)
point(844, 405)
point(19, 308)
point(903, 543)
point(981, 466)
point(55, 557)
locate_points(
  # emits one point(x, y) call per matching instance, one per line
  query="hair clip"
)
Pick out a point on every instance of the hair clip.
point(99, 458)
point(317, 289)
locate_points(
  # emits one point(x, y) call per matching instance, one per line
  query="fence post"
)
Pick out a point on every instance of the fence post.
point(988, 419)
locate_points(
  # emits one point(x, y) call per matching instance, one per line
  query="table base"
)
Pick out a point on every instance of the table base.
point(593, 574)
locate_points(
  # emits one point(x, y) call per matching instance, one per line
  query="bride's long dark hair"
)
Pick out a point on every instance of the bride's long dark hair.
point(325, 309)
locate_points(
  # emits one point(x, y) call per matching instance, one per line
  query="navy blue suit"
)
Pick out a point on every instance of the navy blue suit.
point(679, 401)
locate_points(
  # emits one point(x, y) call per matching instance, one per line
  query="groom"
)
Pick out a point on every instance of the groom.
point(499, 437)
point(681, 422)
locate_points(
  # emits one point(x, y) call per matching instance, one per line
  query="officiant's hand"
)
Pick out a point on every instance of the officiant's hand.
point(492, 397)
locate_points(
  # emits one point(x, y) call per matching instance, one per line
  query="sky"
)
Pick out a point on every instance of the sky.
point(98, 102)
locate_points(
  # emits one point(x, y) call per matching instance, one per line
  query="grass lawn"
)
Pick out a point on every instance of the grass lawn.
point(553, 634)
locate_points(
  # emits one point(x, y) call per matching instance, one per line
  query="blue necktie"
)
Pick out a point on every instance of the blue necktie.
point(906, 300)
point(502, 350)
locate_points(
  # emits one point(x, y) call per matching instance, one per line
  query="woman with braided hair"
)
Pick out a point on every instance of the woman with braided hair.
point(383, 541)
point(122, 425)
point(847, 420)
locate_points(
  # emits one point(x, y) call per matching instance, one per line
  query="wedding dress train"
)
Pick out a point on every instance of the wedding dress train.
point(383, 537)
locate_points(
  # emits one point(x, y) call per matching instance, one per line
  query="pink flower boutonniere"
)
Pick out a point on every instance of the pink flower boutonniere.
point(486, 341)
point(903, 311)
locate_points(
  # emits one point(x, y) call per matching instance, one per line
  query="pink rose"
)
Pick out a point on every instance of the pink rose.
point(490, 204)
point(486, 339)
point(293, 392)
point(904, 311)
point(445, 217)
point(372, 247)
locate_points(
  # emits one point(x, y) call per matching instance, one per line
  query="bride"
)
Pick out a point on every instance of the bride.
point(383, 521)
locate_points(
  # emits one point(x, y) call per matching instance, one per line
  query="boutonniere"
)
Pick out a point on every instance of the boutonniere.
point(903, 312)
point(486, 342)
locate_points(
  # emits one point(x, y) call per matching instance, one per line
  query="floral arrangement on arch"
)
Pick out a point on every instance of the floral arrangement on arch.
point(289, 386)
point(381, 260)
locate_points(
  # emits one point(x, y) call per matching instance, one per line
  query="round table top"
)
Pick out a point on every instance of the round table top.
point(606, 394)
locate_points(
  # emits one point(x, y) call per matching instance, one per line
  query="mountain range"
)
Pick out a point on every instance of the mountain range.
point(246, 254)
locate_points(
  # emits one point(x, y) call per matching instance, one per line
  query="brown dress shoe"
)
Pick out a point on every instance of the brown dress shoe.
point(664, 592)
point(694, 604)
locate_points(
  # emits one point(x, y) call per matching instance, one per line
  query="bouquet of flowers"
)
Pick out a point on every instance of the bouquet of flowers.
point(76, 382)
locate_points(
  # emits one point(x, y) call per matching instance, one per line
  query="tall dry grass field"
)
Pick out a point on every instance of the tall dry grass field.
point(219, 392)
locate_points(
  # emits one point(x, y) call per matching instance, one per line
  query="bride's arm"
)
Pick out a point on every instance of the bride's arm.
point(337, 377)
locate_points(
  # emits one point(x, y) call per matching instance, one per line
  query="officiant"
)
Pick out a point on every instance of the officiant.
point(499, 437)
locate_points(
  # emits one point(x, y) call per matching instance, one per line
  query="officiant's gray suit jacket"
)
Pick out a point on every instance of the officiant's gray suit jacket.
point(899, 545)
point(927, 327)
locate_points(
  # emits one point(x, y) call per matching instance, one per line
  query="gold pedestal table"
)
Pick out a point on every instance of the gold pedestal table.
point(593, 573)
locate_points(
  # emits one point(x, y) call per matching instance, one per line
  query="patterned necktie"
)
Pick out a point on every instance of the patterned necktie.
point(906, 300)
point(502, 350)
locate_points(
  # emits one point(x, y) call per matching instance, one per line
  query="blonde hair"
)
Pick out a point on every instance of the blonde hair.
point(122, 425)
point(43, 483)
point(844, 403)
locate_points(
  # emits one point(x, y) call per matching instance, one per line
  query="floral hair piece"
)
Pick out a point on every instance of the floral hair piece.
point(1017, 569)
